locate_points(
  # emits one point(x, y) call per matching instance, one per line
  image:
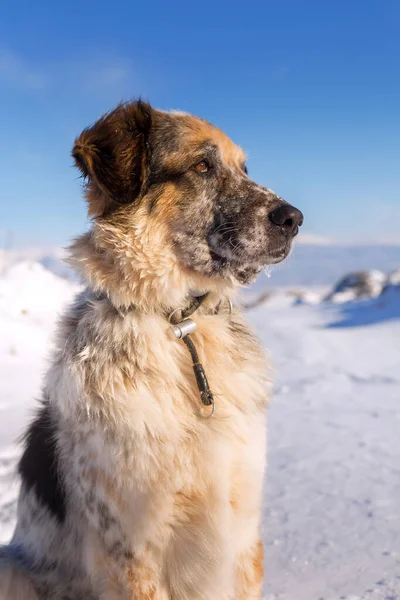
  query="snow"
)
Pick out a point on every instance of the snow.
point(332, 496)
point(333, 489)
point(31, 297)
point(394, 277)
point(321, 265)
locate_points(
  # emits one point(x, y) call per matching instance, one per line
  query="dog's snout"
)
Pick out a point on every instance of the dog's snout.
point(287, 217)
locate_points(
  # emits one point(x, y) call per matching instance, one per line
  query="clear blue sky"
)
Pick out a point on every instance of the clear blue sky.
point(310, 89)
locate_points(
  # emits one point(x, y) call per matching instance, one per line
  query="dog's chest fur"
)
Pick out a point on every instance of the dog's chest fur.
point(140, 464)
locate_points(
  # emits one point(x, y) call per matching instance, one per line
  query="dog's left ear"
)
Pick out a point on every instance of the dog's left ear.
point(112, 155)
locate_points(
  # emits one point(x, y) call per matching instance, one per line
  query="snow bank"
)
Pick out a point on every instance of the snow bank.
point(28, 289)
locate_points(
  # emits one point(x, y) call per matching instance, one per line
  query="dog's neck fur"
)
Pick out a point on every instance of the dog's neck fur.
point(139, 268)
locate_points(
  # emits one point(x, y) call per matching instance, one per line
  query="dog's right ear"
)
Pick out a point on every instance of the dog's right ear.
point(112, 155)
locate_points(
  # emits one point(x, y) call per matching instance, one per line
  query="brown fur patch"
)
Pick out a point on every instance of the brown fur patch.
point(231, 153)
point(258, 563)
point(111, 154)
point(250, 574)
point(195, 132)
point(96, 478)
point(142, 582)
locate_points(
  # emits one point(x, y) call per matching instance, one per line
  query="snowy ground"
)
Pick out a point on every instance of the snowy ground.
point(332, 516)
point(332, 520)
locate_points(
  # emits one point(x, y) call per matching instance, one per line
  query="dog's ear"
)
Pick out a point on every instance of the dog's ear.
point(112, 155)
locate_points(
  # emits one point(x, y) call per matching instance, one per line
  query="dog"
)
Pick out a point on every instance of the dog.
point(142, 473)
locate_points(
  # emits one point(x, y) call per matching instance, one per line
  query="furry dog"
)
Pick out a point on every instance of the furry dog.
point(128, 490)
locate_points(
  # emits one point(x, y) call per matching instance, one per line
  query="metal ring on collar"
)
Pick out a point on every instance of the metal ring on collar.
point(172, 314)
point(206, 417)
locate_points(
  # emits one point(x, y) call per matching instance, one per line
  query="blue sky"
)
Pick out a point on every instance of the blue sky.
point(310, 89)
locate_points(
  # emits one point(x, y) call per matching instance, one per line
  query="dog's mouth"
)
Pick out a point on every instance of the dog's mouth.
point(228, 259)
point(278, 255)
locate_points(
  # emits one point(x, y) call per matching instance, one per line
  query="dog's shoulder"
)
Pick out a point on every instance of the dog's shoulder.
point(235, 361)
point(234, 336)
point(243, 335)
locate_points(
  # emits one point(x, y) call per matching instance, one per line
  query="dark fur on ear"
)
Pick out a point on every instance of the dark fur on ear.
point(112, 155)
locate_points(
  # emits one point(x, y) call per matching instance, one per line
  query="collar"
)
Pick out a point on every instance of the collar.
point(183, 327)
point(194, 301)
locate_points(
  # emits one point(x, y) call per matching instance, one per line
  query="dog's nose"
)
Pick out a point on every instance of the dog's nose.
point(287, 217)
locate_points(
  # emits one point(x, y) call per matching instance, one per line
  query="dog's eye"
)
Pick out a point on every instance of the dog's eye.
point(202, 166)
point(245, 169)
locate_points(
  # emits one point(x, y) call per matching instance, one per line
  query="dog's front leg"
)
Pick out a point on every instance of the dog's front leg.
point(250, 573)
point(124, 577)
point(136, 581)
point(123, 553)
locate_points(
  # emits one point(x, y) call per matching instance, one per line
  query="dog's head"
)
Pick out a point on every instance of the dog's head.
point(185, 177)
